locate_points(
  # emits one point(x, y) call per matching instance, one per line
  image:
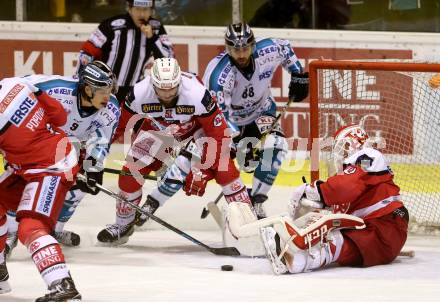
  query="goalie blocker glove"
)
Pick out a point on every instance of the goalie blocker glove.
point(299, 86)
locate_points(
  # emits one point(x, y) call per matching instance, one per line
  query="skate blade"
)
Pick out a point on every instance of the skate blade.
point(115, 243)
point(4, 287)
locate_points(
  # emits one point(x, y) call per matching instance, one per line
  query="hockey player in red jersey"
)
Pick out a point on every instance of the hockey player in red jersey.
point(178, 106)
point(368, 221)
point(41, 164)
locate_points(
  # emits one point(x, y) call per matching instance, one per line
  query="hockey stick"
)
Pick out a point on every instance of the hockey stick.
point(409, 253)
point(205, 211)
point(149, 177)
point(213, 204)
point(224, 251)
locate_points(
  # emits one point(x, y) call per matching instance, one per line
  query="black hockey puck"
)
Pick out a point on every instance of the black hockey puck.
point(227, 267)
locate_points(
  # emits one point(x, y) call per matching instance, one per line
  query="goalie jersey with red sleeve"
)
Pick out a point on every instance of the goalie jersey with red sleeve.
point(365, 188)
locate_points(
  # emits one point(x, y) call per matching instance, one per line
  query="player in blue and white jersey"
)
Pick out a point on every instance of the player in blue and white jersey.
point(92, 117)
point(240, 79)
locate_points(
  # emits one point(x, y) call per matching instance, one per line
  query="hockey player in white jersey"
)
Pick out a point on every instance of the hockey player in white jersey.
point(240, 79)
point(178, 104)
point(92, 117)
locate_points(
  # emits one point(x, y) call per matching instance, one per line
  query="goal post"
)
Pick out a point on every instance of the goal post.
point(394, 102)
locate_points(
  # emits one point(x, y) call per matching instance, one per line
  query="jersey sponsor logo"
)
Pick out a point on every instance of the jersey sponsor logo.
point(47, 195)
point(168, 113)
point(265, 75)
point(65, 91)
point(47, 257)
point(148, 108)
point(10, 97)
point(185, 109)
point(35, 119)
point(224, 74)
point(23, 110)
point(267, 50)
point(218, 120)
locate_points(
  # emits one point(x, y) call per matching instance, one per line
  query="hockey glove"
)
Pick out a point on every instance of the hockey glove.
point(94, 174)
point(196, 181)
point(299, 86)
point(307, 196)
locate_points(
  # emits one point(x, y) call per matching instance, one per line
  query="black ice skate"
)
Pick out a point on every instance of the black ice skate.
point(67, 238)
point(150, 206)
point(4, 276)
point(257, 201)
point(115, 234)
point(61, 291)
point(11, 243)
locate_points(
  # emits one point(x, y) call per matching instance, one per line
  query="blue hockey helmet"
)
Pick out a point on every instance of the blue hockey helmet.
point(98, 75)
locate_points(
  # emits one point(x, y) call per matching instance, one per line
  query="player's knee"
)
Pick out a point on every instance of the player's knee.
point(30, 229)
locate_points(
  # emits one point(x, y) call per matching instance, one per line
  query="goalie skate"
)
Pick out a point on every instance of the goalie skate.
point(4, 276)
point(115, 234)
point(67, 238)
point(271, 242)
point(61, 291)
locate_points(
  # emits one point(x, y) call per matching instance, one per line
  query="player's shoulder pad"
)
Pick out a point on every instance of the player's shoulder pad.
point(57, 86)
point(371, 160)
point(267, 46)
point(218, 72)
point(139, 94)
point(194, 94)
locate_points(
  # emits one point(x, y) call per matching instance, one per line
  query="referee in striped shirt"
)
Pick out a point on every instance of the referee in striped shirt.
point(125, 42)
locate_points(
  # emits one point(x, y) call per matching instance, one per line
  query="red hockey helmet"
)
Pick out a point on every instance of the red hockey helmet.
point(348, 140)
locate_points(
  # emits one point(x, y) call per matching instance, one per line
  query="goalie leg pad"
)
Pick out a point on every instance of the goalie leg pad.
point(311, 241)
point(238, 216)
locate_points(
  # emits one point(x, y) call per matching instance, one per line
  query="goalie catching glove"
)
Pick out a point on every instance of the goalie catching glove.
point(299, 86)
point(306, 195)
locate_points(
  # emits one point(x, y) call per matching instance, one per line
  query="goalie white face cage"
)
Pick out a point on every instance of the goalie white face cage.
point(348, 140)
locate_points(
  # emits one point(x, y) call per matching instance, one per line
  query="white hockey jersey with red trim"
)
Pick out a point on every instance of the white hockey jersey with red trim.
point(195, 110)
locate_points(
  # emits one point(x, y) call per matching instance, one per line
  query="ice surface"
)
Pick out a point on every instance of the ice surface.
point(158, 265)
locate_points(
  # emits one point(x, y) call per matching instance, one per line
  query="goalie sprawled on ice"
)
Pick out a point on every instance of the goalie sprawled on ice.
point(366, 225)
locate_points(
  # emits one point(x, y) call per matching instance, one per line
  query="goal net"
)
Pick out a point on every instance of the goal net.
point(394, 102)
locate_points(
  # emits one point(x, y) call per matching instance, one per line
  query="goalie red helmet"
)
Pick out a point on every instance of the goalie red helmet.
point(348, 140)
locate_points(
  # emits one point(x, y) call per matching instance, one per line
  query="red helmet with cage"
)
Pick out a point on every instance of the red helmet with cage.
point(348, 140)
